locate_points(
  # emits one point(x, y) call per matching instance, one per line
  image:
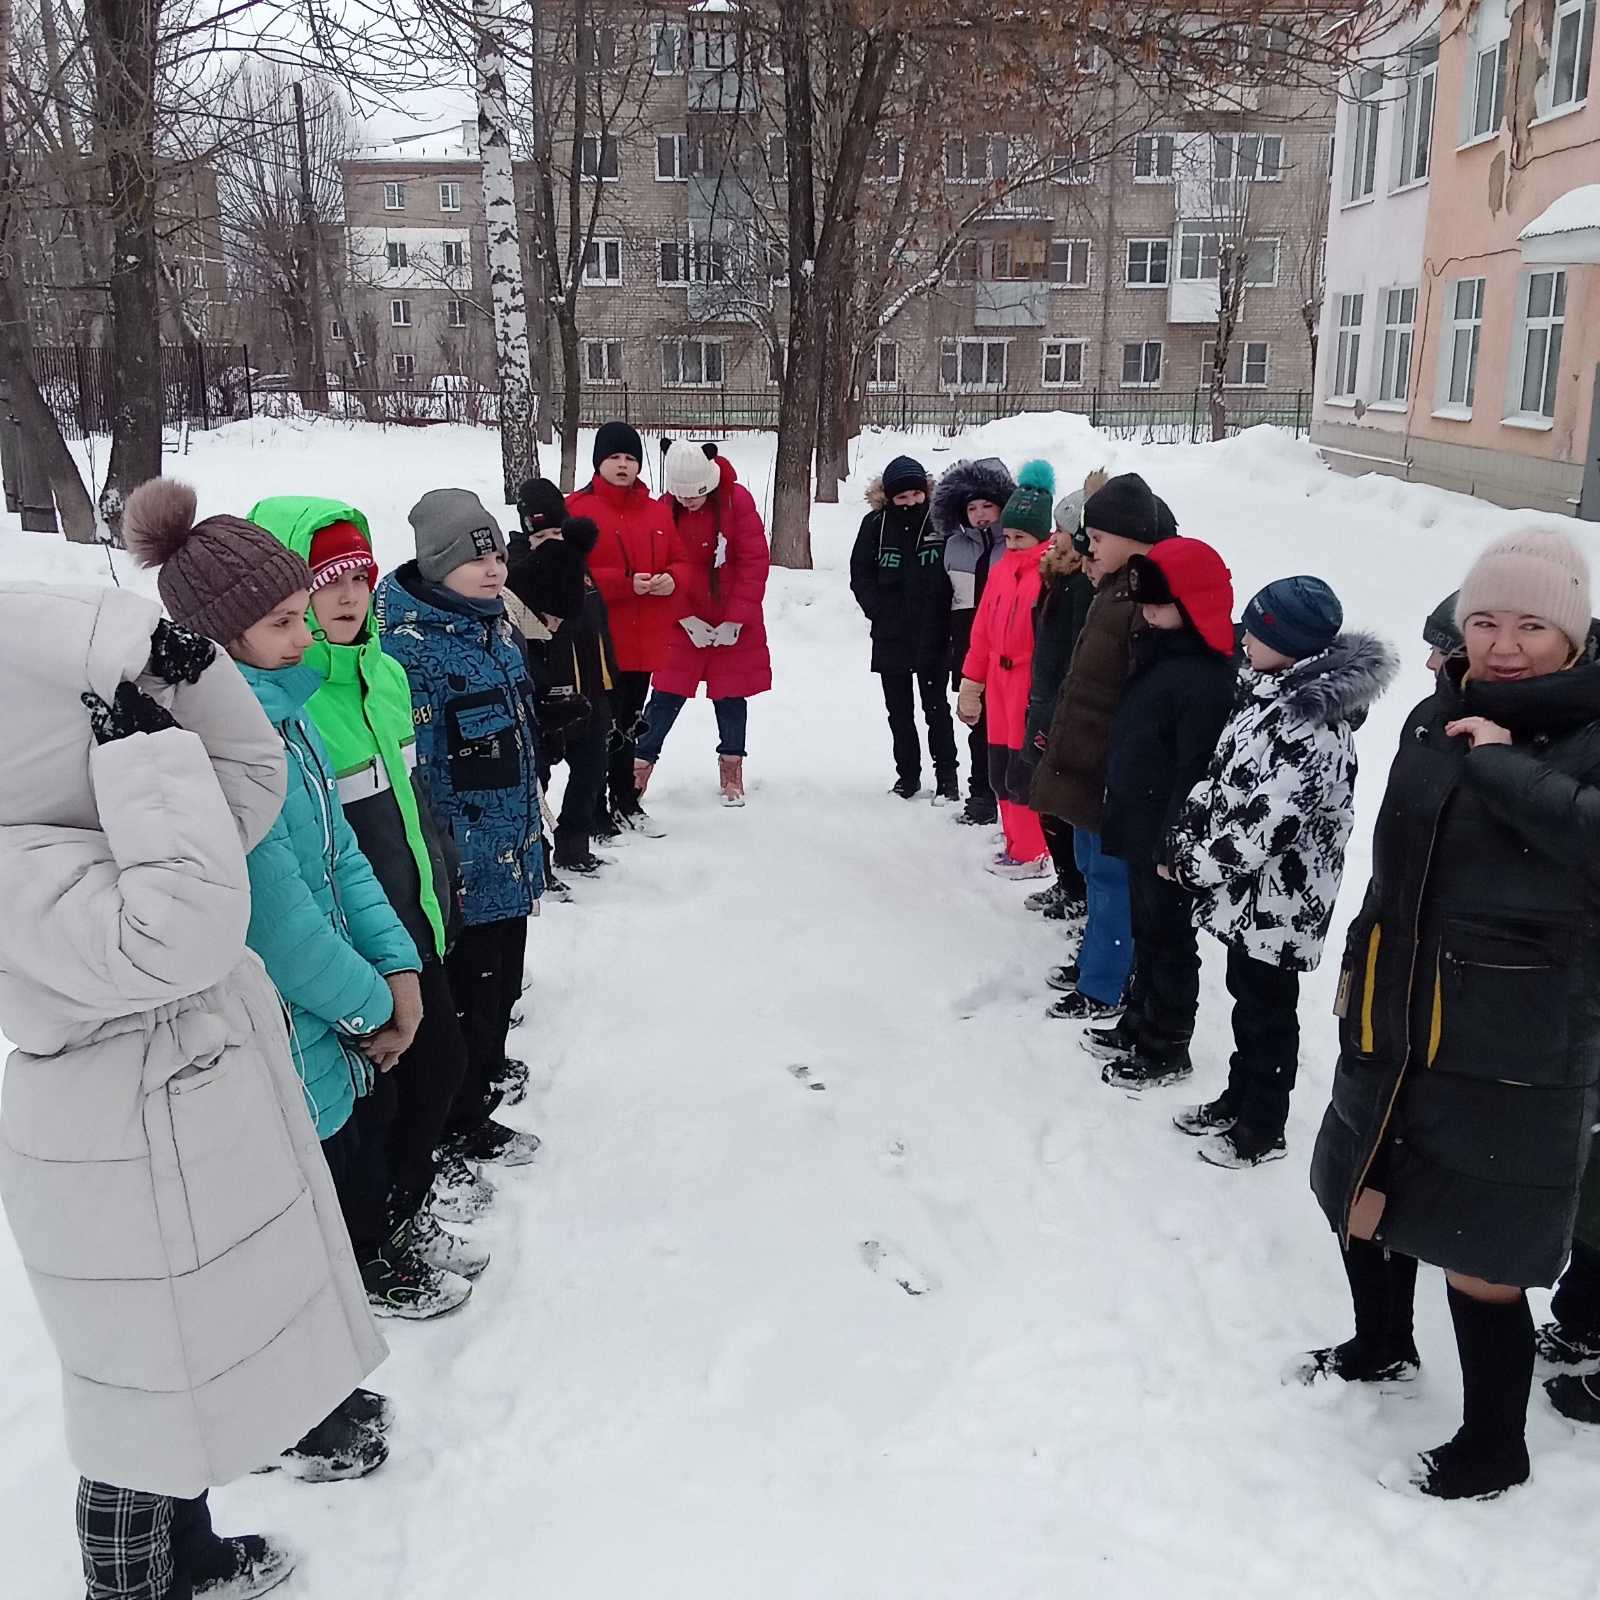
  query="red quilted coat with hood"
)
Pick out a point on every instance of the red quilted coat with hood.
point(723, 578)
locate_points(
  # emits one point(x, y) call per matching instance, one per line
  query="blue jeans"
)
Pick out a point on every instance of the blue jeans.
point(1106, 958)
point(733, 717)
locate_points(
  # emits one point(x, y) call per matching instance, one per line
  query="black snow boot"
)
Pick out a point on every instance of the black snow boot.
point(980, 811)
point(1071, 907)
point(512, 1081)
point(906, 788)
point(1562, 1346)
point(1576, 1397)
point(1383, 1288)
point(336, 1449)
point(242, 1568)
point(370, 1409)
point(1489, 1453)
point(1149, 1067)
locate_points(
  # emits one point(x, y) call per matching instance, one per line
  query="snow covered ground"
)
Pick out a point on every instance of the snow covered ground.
point(787, 1043)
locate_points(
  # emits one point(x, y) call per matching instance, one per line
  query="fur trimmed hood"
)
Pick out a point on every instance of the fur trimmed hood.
point(877, 499)
point(1341, 682)
point(965, 481)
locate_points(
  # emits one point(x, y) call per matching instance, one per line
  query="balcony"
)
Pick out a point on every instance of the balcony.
point(1193, 302)
point(723, 90)
point(1021, 304)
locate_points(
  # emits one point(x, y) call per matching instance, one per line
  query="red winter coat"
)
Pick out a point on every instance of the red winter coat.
point(1001, 653)
point(636, 536)
point(732, 592)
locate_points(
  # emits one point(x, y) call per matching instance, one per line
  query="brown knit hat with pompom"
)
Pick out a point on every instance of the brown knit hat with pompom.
point(220, 576)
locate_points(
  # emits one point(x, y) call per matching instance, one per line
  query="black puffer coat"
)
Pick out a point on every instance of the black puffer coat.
point(1058, 619)
point(1470, 993)
point(897, 576)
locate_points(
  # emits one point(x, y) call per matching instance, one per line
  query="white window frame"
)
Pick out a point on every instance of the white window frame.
point(602, 263)
point(1247, 353)
point(1365, 117)
point(1419, 113)
point(404, 365)
point(711, 259)
point(455, 313)
point(996, 149)
point(611, 370)
point(449, 194)
point(1056, 350)
point(1483, 119)
point(678, 31)
point(1263, 243)
point(1149, 280)
point(1247, 150)
point(680, 250)
point(1463, 313)
point(1573, 25)
point(398, 254)
point(599, 145)
point(453, 252)
point(336, 331)
point(1544, 331)
point(1075, 248)
point(680, 157)
point(878, 170)
point(400, 313)
point(1399, 305)
point(954, 350)
point(677, 345)
point(1154, 157)
point(1207, 247)
point(876, 382)
point(1069, 165)
point(1145, 379)
point(1349, 313)
point(394, 196)
point(701, 53)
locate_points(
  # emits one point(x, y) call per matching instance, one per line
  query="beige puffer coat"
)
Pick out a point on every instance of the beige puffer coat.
point(157, 1166)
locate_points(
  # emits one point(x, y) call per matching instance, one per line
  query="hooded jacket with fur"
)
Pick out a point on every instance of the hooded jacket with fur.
point(897, 576)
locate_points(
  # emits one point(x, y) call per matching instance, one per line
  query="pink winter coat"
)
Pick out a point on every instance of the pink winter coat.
point(1001, 653)
point(731, 592)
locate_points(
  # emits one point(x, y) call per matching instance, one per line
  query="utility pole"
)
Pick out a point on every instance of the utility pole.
point(311, 246)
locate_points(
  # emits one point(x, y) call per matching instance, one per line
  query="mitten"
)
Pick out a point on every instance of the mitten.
point(701, 633)
point(562, 709)
point(131, 711)
point(178, 655)
point(969, 702)
point(729, 632)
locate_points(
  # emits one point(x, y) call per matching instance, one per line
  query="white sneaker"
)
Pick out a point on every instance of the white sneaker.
point(1004, 866)
point(443, 1250)
point(641, 821)
point(460, 1192)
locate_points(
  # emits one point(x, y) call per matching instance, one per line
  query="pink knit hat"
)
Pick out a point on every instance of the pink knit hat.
point(1536, 572)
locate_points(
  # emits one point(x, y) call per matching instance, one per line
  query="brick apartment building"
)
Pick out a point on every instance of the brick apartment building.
point(1097, 271)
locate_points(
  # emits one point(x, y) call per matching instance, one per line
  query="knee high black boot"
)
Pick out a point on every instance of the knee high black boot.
point(1382, 1288)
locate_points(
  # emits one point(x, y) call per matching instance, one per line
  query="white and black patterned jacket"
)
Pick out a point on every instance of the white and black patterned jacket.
point(1261, 838)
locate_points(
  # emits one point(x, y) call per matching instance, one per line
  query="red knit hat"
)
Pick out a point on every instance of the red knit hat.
point(337, 549)
point(1189, 574)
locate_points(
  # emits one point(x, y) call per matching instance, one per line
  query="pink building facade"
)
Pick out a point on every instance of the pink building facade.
point(1478, 366)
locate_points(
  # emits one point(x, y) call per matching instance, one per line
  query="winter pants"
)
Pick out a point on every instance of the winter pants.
point(485, 978)
point(900, 690)
point(1106, 955)
point(587, 755)
point(1024, 836)
point(426, 1080)
point(1058, 840)
point(1166, 977)
point(628, 696)
point(1266, 1041)
point(360, 1171)
point(979, 788)
point(1576, 1302)
point(733, 720)
point(139, 1546)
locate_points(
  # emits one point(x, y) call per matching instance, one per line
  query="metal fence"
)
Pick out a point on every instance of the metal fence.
point(202, 386)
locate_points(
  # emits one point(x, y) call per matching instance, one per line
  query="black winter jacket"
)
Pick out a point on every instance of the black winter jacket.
point(897, 576)
point(1469, 996)
point(1057, 621)
point(1177, 699)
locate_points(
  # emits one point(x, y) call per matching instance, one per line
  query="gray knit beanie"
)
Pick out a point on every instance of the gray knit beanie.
point(1537, 572)
point(453, 527)
point(219, 576)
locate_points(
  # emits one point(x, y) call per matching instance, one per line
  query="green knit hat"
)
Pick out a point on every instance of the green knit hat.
point(1031, 508)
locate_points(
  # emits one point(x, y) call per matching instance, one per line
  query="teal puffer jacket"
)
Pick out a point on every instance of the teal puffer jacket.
point(318, 919)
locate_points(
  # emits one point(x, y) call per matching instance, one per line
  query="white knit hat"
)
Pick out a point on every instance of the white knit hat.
point(688, 473)
point(1536, 572)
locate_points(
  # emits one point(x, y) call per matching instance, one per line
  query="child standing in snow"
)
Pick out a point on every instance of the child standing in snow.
point(999, 663)
point(1260, 842)
point(1166, 727)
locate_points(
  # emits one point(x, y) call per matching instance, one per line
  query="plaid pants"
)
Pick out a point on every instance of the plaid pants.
point(134, 1544)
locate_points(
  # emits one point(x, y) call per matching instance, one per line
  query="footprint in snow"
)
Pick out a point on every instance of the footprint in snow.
point(802, 1075)
point(888, 1261)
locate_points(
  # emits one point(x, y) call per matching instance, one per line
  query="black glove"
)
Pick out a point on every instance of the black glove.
point(562, 710)
point(132, 711)
point(177, 655)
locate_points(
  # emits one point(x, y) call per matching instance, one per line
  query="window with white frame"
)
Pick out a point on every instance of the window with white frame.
point(1152, 158)
point(454, 252)
point(602, 262)
point(1061, 363)
point(449, 196)
point(710, 260)
point(399, 313)
point(1072, 160)
point(998, 260)
point(672, 157)
point(399, 255)
point(973, 363)
point(979, 158)
point(1465, 312)
point(336, 330)
point(1261, 264)
point(1486, 97)
point(405, 366)
point(1415, 151)
point(603, 43)
point(672, 263)
point(1566, 83)
point(455, 313)
point(1149, 263)
point(1199, 254)
point(1068, 264)
point(712, 49)
point(1249, 157)
point(1249, 363)
point(599, 157)
point(1399, 330)
point(1543, 321)
point(1366, 107)
point(886, 159)
point(602, 361)
point(394, 197)
point(1141, 364)
point(692, 363)
point(1347, 349)
point(666, 50)
point(883, 365)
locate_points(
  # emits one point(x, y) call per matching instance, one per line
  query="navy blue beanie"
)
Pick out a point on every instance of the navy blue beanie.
point(1297, 617)
point(617, 439)
point(904, 473)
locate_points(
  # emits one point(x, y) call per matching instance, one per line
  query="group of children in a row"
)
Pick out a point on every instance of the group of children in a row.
point(1177, 771)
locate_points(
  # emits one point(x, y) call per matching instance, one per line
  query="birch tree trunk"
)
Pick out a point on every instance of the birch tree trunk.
point(519, 446)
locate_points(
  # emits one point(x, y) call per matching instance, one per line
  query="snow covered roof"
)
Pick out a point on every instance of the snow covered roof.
point(1567, 230)
point(713, 8)
point(456, 143)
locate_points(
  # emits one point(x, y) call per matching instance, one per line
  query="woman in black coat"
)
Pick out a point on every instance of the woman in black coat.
point(1469, 1000)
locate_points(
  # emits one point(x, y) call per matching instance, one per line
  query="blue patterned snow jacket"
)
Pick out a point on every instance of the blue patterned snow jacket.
point(318, 919)
point(477, 748)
